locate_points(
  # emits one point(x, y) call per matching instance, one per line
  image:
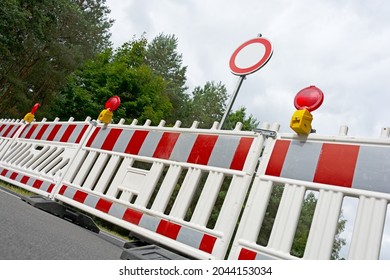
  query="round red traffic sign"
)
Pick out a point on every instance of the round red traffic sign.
point(250, 56)
point(309, 98)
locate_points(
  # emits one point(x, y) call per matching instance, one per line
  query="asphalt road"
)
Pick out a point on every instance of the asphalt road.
point(28, 233)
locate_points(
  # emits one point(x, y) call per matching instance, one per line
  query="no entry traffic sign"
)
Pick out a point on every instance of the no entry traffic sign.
point(250, 56)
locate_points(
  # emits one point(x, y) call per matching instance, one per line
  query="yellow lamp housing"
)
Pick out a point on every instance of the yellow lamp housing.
point(29, 117)
point(301, 122)
point(105, 116)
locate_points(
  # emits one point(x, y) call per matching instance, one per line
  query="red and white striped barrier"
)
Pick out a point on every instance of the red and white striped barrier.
point(333, 167)
point(163, 183)
point(8, 130)
point(185, 188)
point(40, 153)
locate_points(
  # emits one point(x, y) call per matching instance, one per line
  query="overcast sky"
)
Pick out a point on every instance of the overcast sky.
point(342, 47)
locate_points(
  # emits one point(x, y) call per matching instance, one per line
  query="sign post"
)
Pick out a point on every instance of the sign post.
point(241, 64)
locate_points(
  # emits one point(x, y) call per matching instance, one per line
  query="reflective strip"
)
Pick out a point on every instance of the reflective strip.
point(202, 149)
point(185, 235)
point(278, 156)
point(336, 164)
point(110, 139)
point(136, 141)
point(9, 130)
point(1, 128)
point(223, 151)
point(53, 132)
point(166, 145)
point(150, 144)
point(183, 146)
point(123, 141)
point(246, 254)
point(27, 180)
point(241, 153)
point(301, 161)
point(344, 165)
point(66, 133)
point(372, 169)
point(41, 132)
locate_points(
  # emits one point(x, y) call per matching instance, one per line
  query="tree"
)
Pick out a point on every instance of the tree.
point(165, 61)
point(207, 104)
point(240, 115)
point(43, 42)
point(122, 72)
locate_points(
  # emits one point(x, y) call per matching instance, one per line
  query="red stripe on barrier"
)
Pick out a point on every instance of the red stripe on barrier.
point(8, 130)
point(93, 136)
point(50, 188)
point(168, 229)
point(13, 133)
point(241, 153)
point(111, 138)
point(41, 131)
point(80, 196)
point(53, 132)
point(165, 145)
point(37, 184)
point(136, 142)
point(31, 131)
point(202, 149)
point(246, 254)
point(132, 216)
point(81, 134)
point(2, 127)
point(103, 205)
point(207, 243)
point(24, 179)
point(336, 164)
point(4, 172)
point(62, 190)
point(276, 161)
point(68, 133)
point(13, 176)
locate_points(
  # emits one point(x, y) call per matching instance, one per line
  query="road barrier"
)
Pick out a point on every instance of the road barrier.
point(181, 188)
point(209, 193)
point(335, 169)
point(37, 156)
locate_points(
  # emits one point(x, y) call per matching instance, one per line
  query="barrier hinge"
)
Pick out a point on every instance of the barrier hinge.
point(266, 132)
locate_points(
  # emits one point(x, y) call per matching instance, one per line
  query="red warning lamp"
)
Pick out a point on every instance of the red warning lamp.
point(309, 98)
point(306, 101)
point(112, 104)
point(29, 117)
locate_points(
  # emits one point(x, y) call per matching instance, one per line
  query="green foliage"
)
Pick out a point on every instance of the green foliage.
point(240, 115)
point(42, 42)
point(207, 104)
point(304, 224)
point(303, 227)
point(163, 58)
point(123, 73)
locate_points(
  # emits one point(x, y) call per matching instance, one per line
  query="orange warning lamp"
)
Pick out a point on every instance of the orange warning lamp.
point(112, 104)
point(29, 117)
point(306, 101)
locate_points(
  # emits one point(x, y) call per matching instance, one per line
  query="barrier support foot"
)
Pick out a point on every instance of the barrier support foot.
point(62, 211)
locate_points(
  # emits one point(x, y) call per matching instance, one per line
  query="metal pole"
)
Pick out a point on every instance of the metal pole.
point(232, 99)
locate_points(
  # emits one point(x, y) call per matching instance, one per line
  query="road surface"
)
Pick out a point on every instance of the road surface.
point(28, 233)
